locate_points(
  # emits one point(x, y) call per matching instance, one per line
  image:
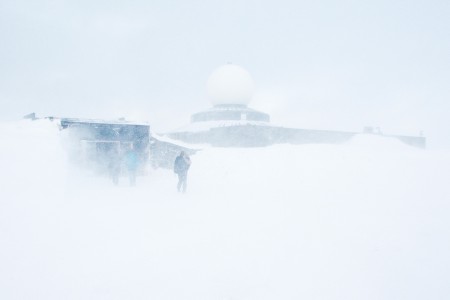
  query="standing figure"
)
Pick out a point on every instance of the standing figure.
point(114, 165)
point(181, 167)
point(132, 163)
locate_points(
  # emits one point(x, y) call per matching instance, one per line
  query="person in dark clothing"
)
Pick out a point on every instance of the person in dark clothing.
point(132, 164)
point(181, 167)
point(114, 165)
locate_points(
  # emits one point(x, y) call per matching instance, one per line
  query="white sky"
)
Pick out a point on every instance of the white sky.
point(316, 64)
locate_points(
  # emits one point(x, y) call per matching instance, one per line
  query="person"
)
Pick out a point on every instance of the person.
point(181, 167)
point(114, 165)
point(132, 163)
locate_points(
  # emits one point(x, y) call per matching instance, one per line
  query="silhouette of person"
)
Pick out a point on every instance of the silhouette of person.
point(181, 167)
point(132, 163)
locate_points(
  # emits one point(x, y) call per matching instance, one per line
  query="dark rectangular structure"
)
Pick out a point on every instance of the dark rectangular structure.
point(96, 142)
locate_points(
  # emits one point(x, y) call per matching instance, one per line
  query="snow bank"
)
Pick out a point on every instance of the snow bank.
point(32, 157)
point(365, 220)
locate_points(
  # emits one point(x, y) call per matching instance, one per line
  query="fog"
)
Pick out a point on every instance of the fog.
point(364, 220)
point(325, 65)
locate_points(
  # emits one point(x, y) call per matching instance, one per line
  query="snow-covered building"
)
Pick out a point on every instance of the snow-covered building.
point(95, 142)
point(231, 123)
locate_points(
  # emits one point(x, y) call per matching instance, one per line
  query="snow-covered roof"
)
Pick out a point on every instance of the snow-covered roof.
point(100, 121)
point(166, 139)
point(232, 107)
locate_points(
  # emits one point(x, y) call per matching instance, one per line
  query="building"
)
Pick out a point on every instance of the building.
point(94, 143)
point(231, 123)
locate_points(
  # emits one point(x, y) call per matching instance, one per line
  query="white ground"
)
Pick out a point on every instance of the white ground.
point(365, 220)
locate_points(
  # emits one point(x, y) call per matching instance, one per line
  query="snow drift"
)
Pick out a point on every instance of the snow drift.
point(364, 220)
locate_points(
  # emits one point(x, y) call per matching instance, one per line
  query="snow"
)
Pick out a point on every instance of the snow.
point(364, 220)
point(166, 139)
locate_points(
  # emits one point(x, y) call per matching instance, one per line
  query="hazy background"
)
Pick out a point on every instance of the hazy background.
point(317, 64)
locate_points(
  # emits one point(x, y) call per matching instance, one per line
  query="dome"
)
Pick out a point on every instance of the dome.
point(230, 84)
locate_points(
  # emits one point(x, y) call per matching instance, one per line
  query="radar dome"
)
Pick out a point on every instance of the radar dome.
point(230, 84)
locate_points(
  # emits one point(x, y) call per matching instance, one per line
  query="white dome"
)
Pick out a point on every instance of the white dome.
point(230, 84)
